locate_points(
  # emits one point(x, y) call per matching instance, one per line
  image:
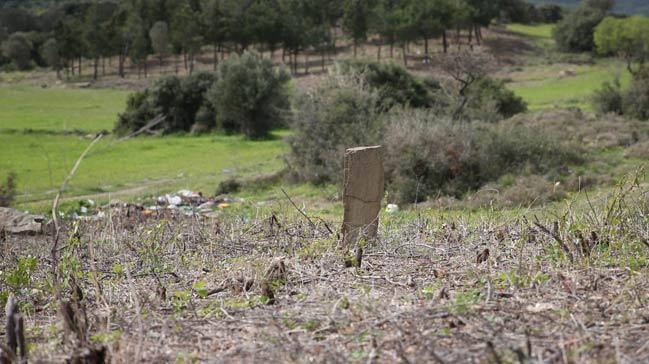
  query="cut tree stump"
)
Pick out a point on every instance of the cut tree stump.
point(363, 192)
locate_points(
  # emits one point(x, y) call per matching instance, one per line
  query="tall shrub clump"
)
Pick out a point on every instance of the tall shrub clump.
point(251, 95)
point(247, 95)
point(427, 155)
point(177, 99)
point(341, 113)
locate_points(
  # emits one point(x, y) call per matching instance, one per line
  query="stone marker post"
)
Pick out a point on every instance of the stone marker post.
point(363, 192)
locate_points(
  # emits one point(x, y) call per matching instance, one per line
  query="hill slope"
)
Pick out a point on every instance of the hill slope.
point(623, 6)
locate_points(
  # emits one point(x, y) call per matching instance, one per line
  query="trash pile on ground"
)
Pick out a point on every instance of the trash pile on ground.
point(184, 202)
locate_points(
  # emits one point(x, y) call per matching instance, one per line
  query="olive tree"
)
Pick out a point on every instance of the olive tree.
point(18, 49)
point(626, 38)
point(159, 35)
point(250, 94)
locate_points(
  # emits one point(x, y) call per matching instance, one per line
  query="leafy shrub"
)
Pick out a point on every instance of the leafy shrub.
point(427, 151)
point(251, 95)
point(394, 84)
point(18, 48)
point(491, 100)
point(140, 110)
point(341, 113)
point(608, 99)
point(230, 185)
point(635, 100)
point(426, 155)
point(8, 191)
point(177, 99)
point(632, 102)
point(205, 120)
point(575, 32)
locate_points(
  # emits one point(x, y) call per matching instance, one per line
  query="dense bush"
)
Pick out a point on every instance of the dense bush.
point(177, 99)
point(487, 99)
point(251, 95)
point(8, 191)
point(18, 48)
point(340, 114)
point(635, 100)
point(575, 32)
point(632, 102)
point(426, 155)
point(394, 84)
point(608, 99)
point(491, 100)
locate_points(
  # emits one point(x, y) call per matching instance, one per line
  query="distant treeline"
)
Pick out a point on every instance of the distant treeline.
point(629, 7)
point(62, 33)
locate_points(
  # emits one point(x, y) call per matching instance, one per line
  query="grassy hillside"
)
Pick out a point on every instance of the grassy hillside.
point(559, 84)
point(623, 6)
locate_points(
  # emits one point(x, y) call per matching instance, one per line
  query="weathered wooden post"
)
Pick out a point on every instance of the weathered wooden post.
point(363, 192)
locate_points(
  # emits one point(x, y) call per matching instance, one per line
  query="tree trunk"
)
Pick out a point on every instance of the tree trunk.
point(185, 59)
point(378, 53)
point(323, 60)
point(145, 67)
point(103, 66)
point(80, 61)
point(306, 62)
point(216, 57)
point(392, 50)
point(72, 66)
point(121, 65)
point(445, 41)
point(426, 46)
point(405, 57)
point(355, 48)
point(96, 68)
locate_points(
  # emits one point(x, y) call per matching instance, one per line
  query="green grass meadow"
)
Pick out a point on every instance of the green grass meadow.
point(59, 109)
point(548, 85)
point(34, 146)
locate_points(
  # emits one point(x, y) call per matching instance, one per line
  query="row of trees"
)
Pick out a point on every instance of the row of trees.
point(134, 30)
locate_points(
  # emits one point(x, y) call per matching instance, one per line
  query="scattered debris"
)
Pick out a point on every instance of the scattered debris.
point(184, 202)
point(541, 307)
point(567, 73)
point(392, 208)
point(17, 222)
